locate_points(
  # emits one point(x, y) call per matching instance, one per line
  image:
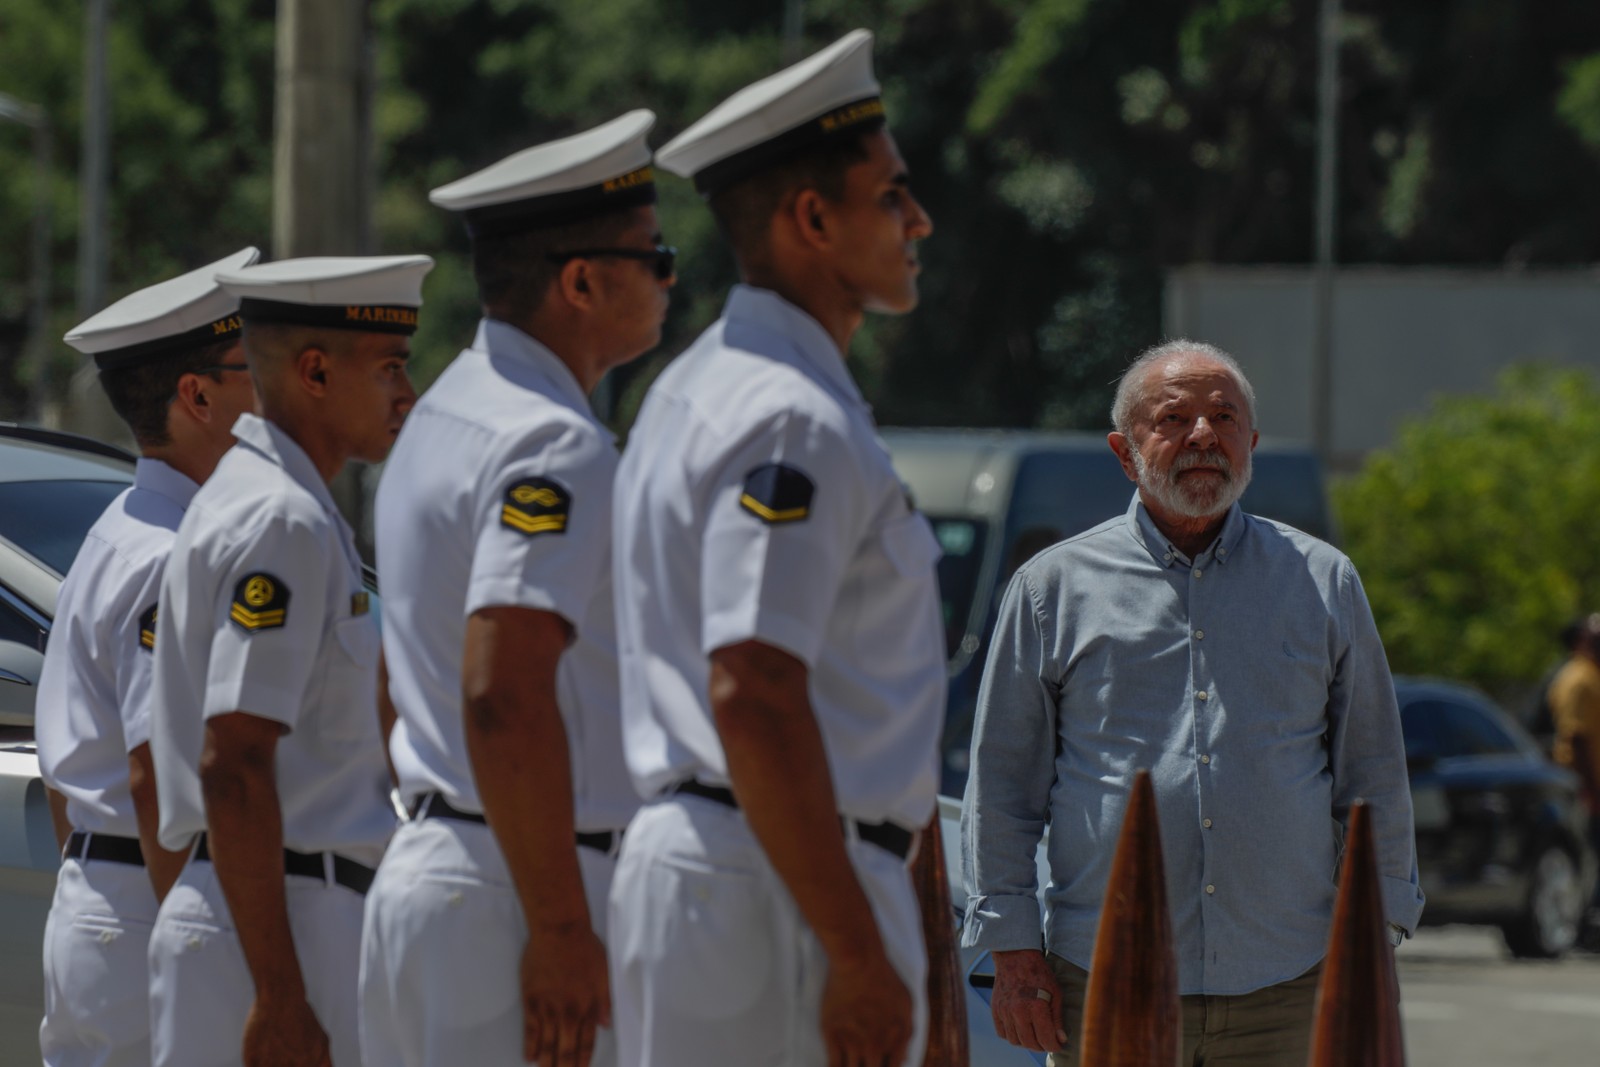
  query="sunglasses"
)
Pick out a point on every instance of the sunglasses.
point(662, 258)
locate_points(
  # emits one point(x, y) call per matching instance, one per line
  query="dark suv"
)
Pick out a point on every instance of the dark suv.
point(1501, 832)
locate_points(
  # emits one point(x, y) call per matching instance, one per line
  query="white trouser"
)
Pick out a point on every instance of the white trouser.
point(201, 991)
point(96, 980)
point(442, 950)
point(711, 962)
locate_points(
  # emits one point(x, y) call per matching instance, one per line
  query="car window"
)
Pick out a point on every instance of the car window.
point(48, 520)
point(962, 542)
point(15, 626)
point(1443, 728)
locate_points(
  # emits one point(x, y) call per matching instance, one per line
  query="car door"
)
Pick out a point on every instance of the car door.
point(1471, 783)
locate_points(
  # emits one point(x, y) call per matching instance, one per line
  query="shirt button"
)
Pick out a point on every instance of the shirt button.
point(1205, 759)
point(1198, 572)
point(1211, 889)
point(1199, 635)
point(1206, 823)
point(1201, 694)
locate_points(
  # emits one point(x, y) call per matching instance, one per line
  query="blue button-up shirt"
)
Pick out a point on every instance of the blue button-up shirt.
point(1250, 681)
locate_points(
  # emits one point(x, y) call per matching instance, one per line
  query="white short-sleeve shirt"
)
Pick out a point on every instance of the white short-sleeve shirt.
point(756, 502)
point(263, 611)
point(498, 493)
point(94, 691)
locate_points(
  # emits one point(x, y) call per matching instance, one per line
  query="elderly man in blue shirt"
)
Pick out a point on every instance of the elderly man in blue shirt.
point(1236, 659)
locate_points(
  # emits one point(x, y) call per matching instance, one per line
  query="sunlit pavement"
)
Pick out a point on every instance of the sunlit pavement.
point(1466, 1002)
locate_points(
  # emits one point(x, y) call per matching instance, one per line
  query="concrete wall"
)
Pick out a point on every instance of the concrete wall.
point(1400, 336)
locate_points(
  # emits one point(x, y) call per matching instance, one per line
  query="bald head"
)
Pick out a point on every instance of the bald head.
point(1154, 365)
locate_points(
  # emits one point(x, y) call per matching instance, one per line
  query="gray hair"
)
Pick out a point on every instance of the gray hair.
point(1131, 389)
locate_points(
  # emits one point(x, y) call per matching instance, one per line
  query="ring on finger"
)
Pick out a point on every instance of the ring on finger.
point(1044, 995)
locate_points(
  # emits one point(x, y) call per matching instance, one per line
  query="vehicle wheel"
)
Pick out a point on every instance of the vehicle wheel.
point(1550, 920)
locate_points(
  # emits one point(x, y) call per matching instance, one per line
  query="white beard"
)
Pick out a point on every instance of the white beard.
point(1194, 498)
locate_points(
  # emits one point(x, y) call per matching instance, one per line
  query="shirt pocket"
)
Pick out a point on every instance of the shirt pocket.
point(347, 710)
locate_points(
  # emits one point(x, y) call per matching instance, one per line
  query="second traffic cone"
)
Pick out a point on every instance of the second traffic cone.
point(1358, 1001)
point(1131, 1014)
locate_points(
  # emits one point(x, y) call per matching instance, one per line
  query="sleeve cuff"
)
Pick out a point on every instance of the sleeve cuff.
point(253, 698)
point(769, 627)
point(1003, 923)
point(512, 591)
point(1402, 903)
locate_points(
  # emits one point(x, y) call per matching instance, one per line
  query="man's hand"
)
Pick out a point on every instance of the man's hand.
point(1021, 1015)
point(565, 995)
point(284, 1033)
point(866, 1013)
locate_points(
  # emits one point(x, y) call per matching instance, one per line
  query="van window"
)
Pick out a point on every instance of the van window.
point(962, 541)
point(1287, 486)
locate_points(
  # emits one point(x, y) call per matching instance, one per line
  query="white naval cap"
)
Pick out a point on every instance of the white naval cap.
point(832, 92)
point(377, 294)
point(183, 312)
point(590, 173)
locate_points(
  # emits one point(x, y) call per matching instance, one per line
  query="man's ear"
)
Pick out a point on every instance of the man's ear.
point(809, 211)
point(1124, 449)
point(311, 368)
point(575, 283)
point(191, 396)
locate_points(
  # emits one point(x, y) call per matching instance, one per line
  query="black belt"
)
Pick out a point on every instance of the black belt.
point(87, 846)
point(435, 806)
point(356, 877)
point(886, 835)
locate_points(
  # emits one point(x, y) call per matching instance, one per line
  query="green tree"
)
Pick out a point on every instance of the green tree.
point(1475, 534)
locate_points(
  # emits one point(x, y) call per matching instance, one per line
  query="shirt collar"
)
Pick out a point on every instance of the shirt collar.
point(278, 447)
point(160, 478)
point(503, 339)
point(766, 308)
point(1165, 553)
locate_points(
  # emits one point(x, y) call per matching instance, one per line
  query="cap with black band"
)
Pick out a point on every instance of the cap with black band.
point(831, 94)
point(559, 182)
point(177, 315)
point(372, 294)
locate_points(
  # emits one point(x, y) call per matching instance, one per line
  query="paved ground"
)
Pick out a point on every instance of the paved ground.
point(1467, 1003)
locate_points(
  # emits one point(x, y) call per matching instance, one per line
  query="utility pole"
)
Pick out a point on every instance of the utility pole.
point(85, 408)
point(320, 203)
point(34, 117)
point(1328, 33)
point(96, 164)
point(321, 200)
point(794, 24)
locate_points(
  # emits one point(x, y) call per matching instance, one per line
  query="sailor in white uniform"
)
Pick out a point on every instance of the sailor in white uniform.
point(170, 363)
point(483, 929)
point(782, 660)
point(264, 722)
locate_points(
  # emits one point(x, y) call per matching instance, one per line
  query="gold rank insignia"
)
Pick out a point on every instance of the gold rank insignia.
point(359, 603)
point(147, 628)
point(777, 493)
point(260, 602)
point(536, 506)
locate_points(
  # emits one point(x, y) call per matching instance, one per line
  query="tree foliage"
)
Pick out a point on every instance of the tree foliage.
point(1475, 534)
point(1068, 150)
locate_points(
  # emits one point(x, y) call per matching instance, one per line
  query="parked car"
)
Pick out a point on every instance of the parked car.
point(52, 488)
point(998, 497)
point(1501, 831)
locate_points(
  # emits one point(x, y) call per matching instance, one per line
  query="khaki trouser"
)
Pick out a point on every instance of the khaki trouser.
point(1268, 1028)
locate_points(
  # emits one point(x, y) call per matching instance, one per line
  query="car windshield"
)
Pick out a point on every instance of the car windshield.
point(962, 543)
point(48, 519)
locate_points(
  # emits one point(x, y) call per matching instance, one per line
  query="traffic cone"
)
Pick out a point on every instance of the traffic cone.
point(1358, 1000)
point(1131, 1016)
point(947, 1003)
